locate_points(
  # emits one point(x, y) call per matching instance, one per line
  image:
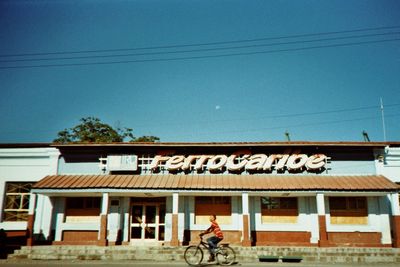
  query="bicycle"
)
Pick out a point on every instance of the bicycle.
point(224, 254)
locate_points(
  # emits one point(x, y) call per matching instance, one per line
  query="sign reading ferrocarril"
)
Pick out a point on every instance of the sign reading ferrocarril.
point(237, 163)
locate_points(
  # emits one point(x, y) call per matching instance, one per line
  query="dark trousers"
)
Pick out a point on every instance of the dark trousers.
point(213, 243)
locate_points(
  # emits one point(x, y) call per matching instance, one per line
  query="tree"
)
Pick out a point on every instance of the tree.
point(147, 138)
point(92, 130)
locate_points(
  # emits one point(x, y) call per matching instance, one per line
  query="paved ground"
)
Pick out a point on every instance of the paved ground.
point(36, 263)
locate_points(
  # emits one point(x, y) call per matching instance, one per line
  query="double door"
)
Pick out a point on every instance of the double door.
point(147, 222)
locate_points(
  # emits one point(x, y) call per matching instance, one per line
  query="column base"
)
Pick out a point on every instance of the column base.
point(103, 231)
point(246, 243)
point(323, 235)
point(174, 238)
point(396, 231)
point(31, 220)
point(102, 243)
point(324, 243)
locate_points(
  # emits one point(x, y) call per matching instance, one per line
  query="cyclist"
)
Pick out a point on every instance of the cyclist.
point(213, 240)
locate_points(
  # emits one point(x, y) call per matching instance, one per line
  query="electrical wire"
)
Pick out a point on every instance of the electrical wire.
point(272, 116)
point(203, 44)
point(275, 116)
point(304, 124)
point(200, 57)
point(200, 50)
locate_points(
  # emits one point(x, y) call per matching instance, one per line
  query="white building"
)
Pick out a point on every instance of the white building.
point(278, 193)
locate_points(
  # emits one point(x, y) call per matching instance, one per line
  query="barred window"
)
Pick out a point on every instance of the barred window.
point(271, 204)
point(348, 205)
point(348, 210)
point(206, 206)
point(17, 201)
point(83, 206)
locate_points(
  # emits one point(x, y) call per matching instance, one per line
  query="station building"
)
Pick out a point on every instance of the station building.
point(263, 194)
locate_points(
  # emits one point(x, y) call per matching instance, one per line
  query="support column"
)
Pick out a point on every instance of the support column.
point(395, 219)
point(103, 241)
point(31, 219)
point(246, 242)
point(60, 217)
point(323, 235)
point(175, 209)
point(125, 212)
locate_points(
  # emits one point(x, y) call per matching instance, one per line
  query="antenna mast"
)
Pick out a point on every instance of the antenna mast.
point(383, 121)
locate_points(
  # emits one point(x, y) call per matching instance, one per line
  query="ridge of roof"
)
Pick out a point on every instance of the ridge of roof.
point(213, 144)
point(25, 145)
point(206, 144)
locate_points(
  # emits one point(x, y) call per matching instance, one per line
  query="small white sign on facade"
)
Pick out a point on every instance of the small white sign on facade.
point(122, 163)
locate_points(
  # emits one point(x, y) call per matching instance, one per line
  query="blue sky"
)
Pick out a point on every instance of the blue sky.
point(317, 94)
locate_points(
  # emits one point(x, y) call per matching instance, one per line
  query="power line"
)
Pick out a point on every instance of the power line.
point(202, 44)
point(304, 124)
point(200, 50)
point(274, 116)
point(255, 118)
point(200, 57)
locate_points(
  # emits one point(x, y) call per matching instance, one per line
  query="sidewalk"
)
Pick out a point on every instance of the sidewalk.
point(123, 263)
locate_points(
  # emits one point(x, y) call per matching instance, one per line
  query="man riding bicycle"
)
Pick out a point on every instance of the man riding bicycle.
point(214, 240)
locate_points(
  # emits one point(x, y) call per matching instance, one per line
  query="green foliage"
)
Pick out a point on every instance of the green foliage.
point(92, 130)
point(147, 138)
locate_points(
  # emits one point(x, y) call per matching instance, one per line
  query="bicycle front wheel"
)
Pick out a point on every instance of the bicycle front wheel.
point(226, 256)
point(193, 255)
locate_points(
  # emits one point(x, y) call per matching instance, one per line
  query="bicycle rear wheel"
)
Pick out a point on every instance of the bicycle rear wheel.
point(226, 256)
point(193, 255)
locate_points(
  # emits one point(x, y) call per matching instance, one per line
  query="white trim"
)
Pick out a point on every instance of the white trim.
point(175, 203)
point(394, 201)
point(105, 204)
point(320, 204)
point(60, 217)
point(125, 209)
point(14, 226)
point(165, 192)
point(245, 203)
point(384, 219)
point(32, 204)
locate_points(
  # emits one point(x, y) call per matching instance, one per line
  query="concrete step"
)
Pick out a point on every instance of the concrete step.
point(244, 254)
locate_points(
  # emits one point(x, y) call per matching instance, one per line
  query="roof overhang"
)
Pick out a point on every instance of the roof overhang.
point(279, 185)
point(229, 144)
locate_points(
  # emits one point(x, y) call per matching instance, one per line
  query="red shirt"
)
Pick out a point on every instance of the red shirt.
point(217, 231)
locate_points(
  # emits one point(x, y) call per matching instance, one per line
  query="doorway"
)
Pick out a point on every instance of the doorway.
point(147, 220)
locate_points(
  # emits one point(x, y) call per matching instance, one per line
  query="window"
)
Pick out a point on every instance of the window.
point(83, 203)
point(206, 206)
point(348, 210)
point(351, 205)
point(279, 210)
point(82, 209)
point(17, 201)
point(279, 205)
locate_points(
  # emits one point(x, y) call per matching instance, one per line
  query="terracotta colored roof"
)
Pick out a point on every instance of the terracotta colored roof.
point(220, 182)
point(205, 144)
point(228, 144)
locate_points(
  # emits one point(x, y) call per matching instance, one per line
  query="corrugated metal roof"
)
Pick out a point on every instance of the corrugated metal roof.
point(227, 144)
point(220, 182)
point(205, 144)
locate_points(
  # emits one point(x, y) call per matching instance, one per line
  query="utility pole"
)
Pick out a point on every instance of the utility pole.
point(383, 121)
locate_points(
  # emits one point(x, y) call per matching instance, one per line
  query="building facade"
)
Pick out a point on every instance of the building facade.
point(279, 193)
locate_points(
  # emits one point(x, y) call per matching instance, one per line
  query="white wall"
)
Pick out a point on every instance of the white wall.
point(27, 165)
point(387, 163)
